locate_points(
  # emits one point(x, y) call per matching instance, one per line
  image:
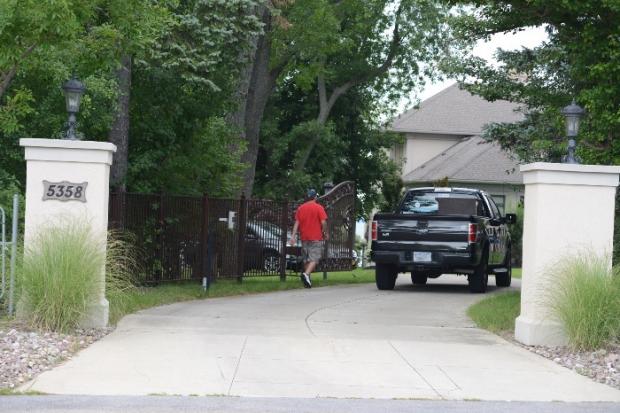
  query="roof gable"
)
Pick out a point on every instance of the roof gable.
point(471, 160)
point(455, 111)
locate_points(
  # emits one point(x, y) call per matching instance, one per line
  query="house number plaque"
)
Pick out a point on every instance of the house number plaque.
point(64, 191)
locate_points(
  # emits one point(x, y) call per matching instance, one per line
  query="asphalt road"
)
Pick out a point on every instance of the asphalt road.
point(159, 404)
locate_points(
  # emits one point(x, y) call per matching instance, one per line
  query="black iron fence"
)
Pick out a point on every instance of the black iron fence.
point(188, 238)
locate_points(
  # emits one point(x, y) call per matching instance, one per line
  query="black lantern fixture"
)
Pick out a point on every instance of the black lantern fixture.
point(327, 187)
point(573, 114)
point(73, 89)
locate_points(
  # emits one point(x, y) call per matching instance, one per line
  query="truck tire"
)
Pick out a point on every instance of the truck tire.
point(385, 276)
point(418, 279)
point(479, 280)
point(504, 279)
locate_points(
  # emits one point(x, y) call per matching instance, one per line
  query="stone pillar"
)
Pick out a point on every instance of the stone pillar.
point(568, 208)
point(69, 179)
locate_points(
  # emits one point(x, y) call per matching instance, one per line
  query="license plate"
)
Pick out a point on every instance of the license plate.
point(422, 256)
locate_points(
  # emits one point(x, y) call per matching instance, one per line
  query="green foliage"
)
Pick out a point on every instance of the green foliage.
point(585, 297)
point(392, 190)
point(580, 60)
point(121, 270)
point(516, 237)
point(59, 276)
point(442, 183)
point(208, 36)
point(352, 40)
point(497, 313)
point(350, 147)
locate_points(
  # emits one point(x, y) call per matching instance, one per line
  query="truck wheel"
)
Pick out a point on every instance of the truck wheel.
point(479, 280)
point(385, 276)
point(418, 279)
point(504, 279)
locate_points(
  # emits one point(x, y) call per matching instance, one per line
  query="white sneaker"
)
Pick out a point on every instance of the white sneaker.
point(305, 278)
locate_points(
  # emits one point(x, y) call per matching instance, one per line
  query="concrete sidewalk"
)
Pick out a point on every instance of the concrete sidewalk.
point(343, 342)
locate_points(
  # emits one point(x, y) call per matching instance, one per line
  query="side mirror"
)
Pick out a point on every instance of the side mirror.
point(511, 218)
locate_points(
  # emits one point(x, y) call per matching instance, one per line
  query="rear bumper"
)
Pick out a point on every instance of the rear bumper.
point(441, 261)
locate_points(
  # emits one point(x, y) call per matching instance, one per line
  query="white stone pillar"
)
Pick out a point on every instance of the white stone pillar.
point(568, 209)
point(68, 179)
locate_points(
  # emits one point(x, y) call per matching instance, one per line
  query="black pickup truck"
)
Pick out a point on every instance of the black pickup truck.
point(443, 230)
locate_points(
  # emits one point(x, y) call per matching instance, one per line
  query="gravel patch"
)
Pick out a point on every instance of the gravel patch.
point(601, 365)
point(26, 353)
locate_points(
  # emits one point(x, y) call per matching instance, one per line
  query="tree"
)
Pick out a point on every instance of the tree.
point(383, 45)
point(30, 26)
point(580, 60)
point(351, 146)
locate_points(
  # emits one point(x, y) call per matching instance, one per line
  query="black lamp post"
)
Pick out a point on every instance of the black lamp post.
point(573, 114)
point(73, 89)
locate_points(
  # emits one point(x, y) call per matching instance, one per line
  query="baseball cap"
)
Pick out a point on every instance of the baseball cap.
point(311, 194)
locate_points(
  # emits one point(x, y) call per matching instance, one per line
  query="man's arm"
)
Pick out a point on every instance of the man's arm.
point(294, 235)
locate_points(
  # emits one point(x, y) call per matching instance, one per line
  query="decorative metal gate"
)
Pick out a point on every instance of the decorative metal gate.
point(188, 238)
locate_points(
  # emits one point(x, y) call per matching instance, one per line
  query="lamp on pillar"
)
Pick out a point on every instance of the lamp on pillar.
point(573, 114)
point(73, 89)
point(327, 186)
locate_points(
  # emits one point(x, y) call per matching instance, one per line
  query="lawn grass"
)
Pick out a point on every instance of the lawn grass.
point(497, 313)
point(516, 273)
point(145, 297)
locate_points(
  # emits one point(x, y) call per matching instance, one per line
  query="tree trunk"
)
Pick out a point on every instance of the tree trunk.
point(119, 133)
point(262, 84)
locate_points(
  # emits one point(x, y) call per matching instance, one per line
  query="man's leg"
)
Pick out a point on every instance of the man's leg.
point(310, 266)
point(313, 251)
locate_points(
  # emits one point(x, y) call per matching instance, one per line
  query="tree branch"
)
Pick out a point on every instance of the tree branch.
point(7, 78)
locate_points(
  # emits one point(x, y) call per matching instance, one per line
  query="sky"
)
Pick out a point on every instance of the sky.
point(530, 37)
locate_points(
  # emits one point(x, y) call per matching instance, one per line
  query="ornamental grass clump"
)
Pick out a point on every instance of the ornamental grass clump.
point(60, 275)
point(585, 298)
point(122, 267)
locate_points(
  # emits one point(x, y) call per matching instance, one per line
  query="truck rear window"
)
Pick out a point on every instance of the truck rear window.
point(441, 203)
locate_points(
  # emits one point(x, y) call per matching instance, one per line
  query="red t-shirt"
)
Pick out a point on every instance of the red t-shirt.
point(309, 215)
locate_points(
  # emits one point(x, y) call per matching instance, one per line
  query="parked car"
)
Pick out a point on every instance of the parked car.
point(443, 230)
point(263, 244)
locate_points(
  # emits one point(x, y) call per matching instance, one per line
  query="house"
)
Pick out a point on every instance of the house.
point(442, 140)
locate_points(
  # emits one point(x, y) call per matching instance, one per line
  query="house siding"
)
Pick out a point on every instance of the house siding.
point(420, 148)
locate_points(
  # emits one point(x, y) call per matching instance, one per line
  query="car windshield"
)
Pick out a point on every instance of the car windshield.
point(443, 203)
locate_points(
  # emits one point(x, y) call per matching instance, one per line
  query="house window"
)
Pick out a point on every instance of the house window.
point(500, 201)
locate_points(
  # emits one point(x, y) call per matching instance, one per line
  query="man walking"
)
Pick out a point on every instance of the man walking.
point(311, 221)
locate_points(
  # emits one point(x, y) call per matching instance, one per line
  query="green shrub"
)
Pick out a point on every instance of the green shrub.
point(60, 275)
point(585, 298)
point(122, 270)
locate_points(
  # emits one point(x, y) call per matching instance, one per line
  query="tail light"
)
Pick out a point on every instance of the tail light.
point(473, 233)
point(373, 233)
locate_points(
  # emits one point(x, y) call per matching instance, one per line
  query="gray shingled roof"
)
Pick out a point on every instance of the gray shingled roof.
point(454, 111)
point(471, 160)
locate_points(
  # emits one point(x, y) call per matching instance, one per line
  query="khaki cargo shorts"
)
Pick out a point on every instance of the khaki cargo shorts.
point(312, 250)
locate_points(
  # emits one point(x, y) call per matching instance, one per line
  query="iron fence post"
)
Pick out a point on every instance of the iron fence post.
point(160, 241)
point(13, 251)
point(241, 222)
point(283, 239)
point(204, 242)
point(353, 224)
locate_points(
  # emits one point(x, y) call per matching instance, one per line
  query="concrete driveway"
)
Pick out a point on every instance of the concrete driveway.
point(344, 342)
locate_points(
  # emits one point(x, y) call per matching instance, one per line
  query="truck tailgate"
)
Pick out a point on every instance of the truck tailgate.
point(396, 231)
